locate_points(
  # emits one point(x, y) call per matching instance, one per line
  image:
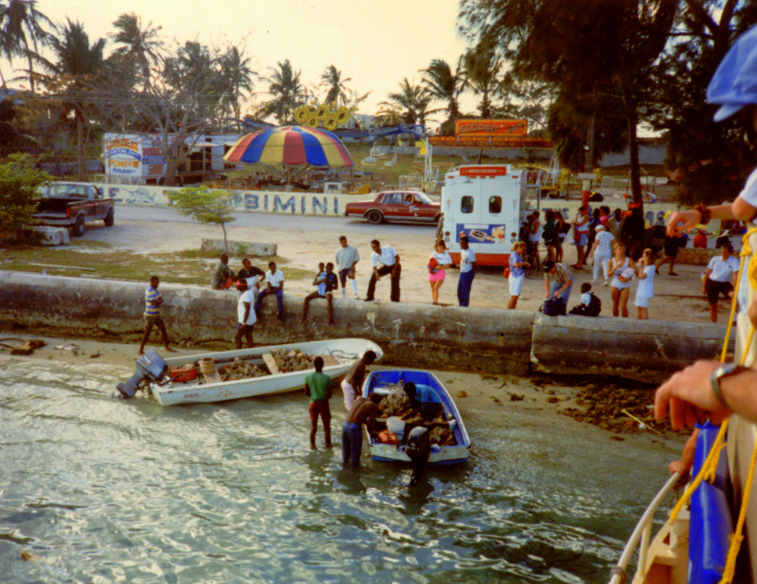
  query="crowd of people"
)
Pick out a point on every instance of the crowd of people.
point(614, 243)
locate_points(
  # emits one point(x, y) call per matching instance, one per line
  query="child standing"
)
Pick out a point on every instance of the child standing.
point(645, 291)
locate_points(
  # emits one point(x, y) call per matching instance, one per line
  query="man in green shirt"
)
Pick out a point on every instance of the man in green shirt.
point(318, 388)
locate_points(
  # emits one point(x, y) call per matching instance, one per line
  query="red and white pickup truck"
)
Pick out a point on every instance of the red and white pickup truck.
point(74, 205)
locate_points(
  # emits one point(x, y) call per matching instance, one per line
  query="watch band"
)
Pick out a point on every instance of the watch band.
point(717, 375)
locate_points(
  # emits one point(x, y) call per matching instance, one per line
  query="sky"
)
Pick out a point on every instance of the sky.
point(374, 42)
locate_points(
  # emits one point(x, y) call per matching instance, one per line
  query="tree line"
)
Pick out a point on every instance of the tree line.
point(585, 73)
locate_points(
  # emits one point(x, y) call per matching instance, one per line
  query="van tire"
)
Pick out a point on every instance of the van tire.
point(77, 229)
point(374, 217)
point(110, 218)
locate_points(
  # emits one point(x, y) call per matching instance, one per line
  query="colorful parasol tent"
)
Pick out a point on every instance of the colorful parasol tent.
point(290, 151)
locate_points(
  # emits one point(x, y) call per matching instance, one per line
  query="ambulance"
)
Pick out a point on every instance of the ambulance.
point(488, 204)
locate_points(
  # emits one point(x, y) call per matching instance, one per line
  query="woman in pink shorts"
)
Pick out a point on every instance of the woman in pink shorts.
point(439, 261)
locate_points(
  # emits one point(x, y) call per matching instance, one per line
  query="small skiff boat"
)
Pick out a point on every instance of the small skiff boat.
point(390, 446)
point(227, 375)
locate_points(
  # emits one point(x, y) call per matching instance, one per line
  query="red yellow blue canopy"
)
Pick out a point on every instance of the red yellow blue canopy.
point(290, 146)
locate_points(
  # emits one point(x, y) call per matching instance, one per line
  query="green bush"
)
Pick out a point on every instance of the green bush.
point(19, 184)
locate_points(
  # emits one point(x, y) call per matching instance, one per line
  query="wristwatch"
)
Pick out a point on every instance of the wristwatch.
point(723, 371)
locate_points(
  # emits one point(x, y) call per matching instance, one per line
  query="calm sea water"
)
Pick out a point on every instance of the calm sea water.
point(106, 491)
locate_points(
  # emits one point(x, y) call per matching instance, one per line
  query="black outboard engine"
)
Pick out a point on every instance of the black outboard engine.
point(150, 367)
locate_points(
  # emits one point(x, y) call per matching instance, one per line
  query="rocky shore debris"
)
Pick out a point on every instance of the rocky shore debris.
point(622, 410)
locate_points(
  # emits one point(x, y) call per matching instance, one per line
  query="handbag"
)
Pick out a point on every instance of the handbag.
point(506, 272)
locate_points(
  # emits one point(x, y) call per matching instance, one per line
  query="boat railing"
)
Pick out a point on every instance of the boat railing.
point(641, 535)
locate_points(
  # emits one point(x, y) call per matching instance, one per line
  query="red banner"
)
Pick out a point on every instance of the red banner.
point(491, 127)
point(483, 171)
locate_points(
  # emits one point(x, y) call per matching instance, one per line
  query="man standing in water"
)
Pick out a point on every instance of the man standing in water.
point(364, 411)
point(318, 389)
point(153, 300)
point(353, 381)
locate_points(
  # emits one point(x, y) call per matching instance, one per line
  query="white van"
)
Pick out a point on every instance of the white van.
point(487, 202)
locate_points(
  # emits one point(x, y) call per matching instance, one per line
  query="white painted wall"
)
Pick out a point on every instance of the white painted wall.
point(253, 201)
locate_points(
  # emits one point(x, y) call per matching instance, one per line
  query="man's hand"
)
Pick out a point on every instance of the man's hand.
point(688, 397)
point(681, 222)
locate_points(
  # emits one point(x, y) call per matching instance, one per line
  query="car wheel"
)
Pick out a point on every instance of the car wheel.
point(78, 228)
point(375, 217)
point(110, 218)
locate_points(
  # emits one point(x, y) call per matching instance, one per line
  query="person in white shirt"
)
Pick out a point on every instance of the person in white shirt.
point(720, 278)
point(438, 263)
point(467, 271)
point(246, 318)
point(274, 280)
point(602, 252)
point(347, 258)
point(389, 261)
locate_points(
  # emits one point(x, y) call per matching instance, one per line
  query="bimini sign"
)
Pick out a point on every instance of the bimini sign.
point(253, 201)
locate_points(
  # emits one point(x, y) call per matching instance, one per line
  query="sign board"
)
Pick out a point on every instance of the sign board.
point(491, 127)
point(483, 171)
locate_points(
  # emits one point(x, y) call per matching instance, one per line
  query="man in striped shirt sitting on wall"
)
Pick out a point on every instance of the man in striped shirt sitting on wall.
point(153, 300)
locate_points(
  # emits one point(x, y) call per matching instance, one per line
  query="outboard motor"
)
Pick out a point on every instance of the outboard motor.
point(150, 368)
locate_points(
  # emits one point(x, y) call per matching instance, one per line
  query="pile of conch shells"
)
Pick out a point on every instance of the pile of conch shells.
point(294, 360)
point(240, 369)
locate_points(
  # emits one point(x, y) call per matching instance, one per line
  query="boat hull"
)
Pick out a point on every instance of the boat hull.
point(440, 455)
point(345, 350)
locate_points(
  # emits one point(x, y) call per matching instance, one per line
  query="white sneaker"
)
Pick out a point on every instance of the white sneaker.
point(357, 296)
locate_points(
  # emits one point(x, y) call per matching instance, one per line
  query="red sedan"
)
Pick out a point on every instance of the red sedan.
point(407, 206)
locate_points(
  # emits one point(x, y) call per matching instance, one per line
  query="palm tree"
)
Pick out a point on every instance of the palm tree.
point(77, 66)
point(236, 77)
point(482, 65)
point(141, 46)
point(287, 91)
point(337, 92)
point(21, 31)
point(413, 101)
point(444, 85)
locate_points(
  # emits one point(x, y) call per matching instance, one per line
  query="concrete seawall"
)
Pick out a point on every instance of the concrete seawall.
point(412, 335)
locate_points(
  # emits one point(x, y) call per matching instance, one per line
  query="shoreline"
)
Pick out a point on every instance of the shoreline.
point(586, 401)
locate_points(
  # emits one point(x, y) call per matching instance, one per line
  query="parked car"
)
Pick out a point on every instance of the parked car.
point(409, 206)
point(73, 205)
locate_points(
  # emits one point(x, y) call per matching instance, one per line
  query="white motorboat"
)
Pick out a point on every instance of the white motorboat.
point(179, 380)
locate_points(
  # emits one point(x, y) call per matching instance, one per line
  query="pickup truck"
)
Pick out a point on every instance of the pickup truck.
point(73, 205)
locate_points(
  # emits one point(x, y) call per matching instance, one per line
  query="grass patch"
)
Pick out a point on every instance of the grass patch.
point(181, 267)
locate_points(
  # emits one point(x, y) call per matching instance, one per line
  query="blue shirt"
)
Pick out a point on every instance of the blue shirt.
point(426, 395)
point(516, 259)
point(328, 283)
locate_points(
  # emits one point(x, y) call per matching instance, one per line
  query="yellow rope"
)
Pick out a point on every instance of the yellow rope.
point(709, 467)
